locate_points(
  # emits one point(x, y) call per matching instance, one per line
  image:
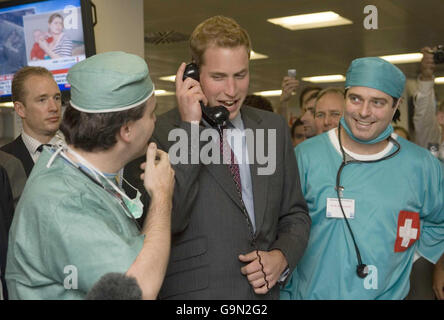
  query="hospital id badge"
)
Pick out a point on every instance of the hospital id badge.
point(334, 210)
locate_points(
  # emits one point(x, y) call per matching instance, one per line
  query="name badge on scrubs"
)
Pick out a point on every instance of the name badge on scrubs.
point(334, 210)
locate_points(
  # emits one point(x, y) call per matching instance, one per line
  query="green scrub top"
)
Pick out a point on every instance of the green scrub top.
point(67, 232)
point(412, 181)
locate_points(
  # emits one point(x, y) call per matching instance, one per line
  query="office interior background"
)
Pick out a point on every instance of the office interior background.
point(158, 30)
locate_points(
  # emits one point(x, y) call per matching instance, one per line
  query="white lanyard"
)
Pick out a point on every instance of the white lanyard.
point(93, 173)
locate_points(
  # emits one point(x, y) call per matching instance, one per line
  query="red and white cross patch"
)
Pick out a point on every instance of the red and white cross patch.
point(407, 231)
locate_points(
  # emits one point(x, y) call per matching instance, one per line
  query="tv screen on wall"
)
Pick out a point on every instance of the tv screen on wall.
point(55, 34)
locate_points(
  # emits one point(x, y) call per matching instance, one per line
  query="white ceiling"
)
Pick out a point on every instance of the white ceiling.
point(404, 26)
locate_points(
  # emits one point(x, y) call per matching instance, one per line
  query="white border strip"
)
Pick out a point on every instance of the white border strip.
point(112, 110)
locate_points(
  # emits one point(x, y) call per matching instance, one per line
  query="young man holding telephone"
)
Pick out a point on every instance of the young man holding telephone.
point(236, 234)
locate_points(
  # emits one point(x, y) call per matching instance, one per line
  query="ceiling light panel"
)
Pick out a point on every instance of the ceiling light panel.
point(311, 21)
point(162, 93)
point(403, 58)
point(325, 79)
point(256, 56)
point(269, 93)
point(439, 80)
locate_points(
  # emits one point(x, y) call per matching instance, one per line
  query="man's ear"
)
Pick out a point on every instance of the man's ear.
point(400, 101)
point(20, 109)
point(398, 105)
point(125, 131)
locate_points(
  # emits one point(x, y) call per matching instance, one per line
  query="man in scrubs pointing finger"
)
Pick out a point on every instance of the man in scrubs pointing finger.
point(73, 223)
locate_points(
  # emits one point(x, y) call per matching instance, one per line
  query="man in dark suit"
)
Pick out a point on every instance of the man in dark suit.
point(237, 229)
point(37, 100)
point(6, 210)
point(16, 174)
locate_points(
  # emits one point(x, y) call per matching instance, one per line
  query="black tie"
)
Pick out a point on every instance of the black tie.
point(40, 148)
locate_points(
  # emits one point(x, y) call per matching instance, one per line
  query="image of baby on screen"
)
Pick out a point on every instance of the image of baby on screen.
point(37, 53)
point(54, 43)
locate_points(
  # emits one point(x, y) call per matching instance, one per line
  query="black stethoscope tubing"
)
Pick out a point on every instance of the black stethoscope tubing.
point(361, 268)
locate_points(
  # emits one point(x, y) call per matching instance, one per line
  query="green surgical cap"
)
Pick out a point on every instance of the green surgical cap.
point(109, 82)
point(376, 73)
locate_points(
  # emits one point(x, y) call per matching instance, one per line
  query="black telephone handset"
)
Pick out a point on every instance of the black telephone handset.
point(215, 116)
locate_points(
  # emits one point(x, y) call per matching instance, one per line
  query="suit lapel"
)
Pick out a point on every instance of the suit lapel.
point(259, 182)
point(220, 172)
point(222, 175)
point(22, 153)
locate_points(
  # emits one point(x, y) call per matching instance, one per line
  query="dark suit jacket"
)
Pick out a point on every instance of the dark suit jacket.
point(18, 149)
point(208, 227)
point(6, 211)
point(16, 174)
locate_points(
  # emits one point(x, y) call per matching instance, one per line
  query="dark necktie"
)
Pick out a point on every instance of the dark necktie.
point(234, 167)
point(40, 147)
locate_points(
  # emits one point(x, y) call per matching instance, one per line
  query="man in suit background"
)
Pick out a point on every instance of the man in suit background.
point(235, 234)
point(6, 210)
point(16, 174)
point(37, 101)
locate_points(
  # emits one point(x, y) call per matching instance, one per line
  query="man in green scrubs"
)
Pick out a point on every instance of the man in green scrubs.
point(392, 198)
point(73, 224)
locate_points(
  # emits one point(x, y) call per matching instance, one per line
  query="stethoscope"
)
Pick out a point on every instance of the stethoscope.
point(361, 268)
point(61, 151)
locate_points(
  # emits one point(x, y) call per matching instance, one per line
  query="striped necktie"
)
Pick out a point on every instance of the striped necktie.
point(233, 165)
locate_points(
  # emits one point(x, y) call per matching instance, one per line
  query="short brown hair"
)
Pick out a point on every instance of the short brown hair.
point(298, 122)
point(217, 31)
point(306, 90)
point(53, 16)
point(96, 131)
point(258, 102)
point(18, 91)
point(323, 92)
